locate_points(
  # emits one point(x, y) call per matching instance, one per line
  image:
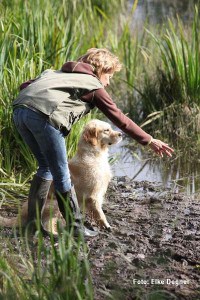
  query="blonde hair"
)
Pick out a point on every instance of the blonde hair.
point(102, 60)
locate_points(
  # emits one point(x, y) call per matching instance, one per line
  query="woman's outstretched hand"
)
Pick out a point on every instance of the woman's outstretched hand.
point(160, 147)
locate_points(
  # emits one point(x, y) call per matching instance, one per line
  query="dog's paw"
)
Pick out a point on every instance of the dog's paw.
point(108, 229)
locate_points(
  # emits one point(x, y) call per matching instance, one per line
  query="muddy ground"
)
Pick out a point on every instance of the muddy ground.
point(153, 251)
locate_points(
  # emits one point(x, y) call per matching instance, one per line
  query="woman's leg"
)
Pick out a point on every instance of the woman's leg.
point(48, 146)
point(42, 179)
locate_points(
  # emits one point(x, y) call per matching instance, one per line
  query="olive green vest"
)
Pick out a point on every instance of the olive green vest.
point(57, 95)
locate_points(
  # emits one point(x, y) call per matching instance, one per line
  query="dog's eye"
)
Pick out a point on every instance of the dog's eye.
point(106, 130)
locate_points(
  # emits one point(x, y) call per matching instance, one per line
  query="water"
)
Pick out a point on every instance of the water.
point(182, 171)
point(157, 11)
point(140, 164)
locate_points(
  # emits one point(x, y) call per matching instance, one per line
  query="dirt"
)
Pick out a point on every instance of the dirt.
point(153, 250)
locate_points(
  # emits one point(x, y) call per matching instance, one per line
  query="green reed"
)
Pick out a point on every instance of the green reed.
point(180, 56)
point(32, 268)
point(171, 84)
point(34, 36)
point(160, 68)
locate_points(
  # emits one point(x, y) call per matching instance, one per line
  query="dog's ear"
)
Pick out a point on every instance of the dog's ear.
point(90, 136)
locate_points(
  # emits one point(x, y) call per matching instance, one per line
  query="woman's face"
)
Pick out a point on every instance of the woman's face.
point(105, 78)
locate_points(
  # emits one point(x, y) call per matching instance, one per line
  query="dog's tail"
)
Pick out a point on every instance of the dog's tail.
point(9, 222)
point(19, 220)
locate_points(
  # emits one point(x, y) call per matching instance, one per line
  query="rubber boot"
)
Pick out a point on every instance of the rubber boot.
point(69, 208)
point(37, 196)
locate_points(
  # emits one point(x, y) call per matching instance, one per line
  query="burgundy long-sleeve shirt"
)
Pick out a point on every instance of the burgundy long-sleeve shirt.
point(101, 99)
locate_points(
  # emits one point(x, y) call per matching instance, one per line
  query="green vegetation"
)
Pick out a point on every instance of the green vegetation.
point(159, 85)
point(34, 269)
point(34, 36)
point(173, 91)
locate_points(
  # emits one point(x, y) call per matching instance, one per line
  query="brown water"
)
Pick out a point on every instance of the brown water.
point(180, 171)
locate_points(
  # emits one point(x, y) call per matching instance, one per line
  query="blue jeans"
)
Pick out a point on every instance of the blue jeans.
point(48, 146)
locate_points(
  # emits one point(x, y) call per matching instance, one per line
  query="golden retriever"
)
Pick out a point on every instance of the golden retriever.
point(90, 174)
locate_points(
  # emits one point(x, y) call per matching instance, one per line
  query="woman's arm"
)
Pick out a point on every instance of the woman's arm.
point(101, 99)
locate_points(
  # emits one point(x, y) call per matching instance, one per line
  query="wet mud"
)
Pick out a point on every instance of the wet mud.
point(153, 250)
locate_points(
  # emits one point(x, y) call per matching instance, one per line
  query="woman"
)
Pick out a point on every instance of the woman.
point(44, 112)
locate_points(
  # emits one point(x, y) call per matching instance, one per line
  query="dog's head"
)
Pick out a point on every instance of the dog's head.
point(99, 133)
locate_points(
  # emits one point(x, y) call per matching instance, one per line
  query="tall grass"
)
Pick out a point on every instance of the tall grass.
point(45, 269)
point(34, 36)
point(180, 56)
point(171, 93)
point(160, 69)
